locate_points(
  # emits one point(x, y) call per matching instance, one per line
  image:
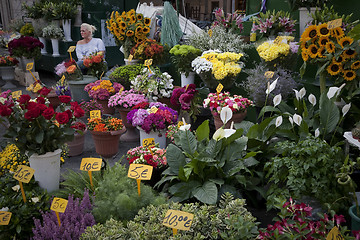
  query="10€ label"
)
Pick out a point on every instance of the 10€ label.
point(24, 173)
point(140, 171)
point(91, 164)
point(178, 219)
point(5, 217)
point(29, 66)
point(16, 94)
point(59, 205)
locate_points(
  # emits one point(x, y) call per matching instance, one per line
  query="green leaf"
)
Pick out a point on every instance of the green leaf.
point(329, 114)
point(182, 191)
point(206, 193)
point(250, 161)
point(213, 147)
point(39, 137)
point(188, 142)
point(321, 69)
point(217, 181)
point(302, 69)
point(187, 172)
point(355, 33)
point(175, 158)
point(233, 137)
point(203, 131)
point(268, 109)
point(245, 125)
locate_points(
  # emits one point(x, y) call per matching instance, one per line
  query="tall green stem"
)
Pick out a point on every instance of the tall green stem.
point(322, 78)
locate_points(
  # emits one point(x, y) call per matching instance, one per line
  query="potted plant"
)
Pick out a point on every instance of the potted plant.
point(90, 106)
point(55, 34)
point(7, 70)
point(101, 91)
point(27, 30)
point(231, 22)
point(148, 49)
point(237, 104)
point(124, 74)
point(152, 123)
point(41, 141)
point(95, 64)
point(182, 56)
point(76, 146)
point(65, 11)
point(106, 133)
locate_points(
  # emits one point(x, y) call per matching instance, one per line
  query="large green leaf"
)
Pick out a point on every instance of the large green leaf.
point(329, 114)
point(183, 191)
point(355, 32)
point(268, 109)
point(188, 142)
point(213, 148)
point(203, 131)
point(39, 137)
point(245, 125)
point(206, 193)
point(175, 158)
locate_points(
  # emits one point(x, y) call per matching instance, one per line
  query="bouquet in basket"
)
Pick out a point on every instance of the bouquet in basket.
point(141, 155)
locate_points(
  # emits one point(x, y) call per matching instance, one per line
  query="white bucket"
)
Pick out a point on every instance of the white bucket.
point(187, 80)
point(161, 140)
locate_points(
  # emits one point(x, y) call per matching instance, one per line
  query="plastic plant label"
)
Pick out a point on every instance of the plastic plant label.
point(91, 164)
point(269, 74)
point(153, 109)
point(252, 37)
point(334, 23)
point(71, 49)
point(95, 114)
point(148, 142)
point(140, 171)
point(178, 219)
point(130, 57)
point(59, 205)
point(148, 62)
point(334, 234)
point(24, 173)
point(5, 217)
point(219, 88)
point(29, 66)
point(16, 95)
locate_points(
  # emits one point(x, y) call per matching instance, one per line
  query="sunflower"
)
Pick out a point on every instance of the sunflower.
point(349, 75)
point(309, 33)
point(338, 59)
point(349, 53)
point(304, 55)
point(130, 33)
point(139, 17)
point(133, 19)
point(122, 25)
point(345, 41)
point(330, 47)
point(138, 30)
point(122, 31)
point(321, 52)
point(146, 30)
point(323, 40)
point(313, 50)
point(147, 21)
point(355, 65)
point(337, 32)
point(334, 69)
point(322, 30)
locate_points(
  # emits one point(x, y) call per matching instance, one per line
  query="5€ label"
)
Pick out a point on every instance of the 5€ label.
point(29, 66)
point(140, 171)
point(71, 48)
point(5, 217)
point(219, 88)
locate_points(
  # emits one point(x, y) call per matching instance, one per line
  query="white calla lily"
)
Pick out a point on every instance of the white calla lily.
point(185, 127)
point(16, 188)
point(312, 99)
point(297, 95)
point(297, 119)
point(219, 134)
point(334, 91)
point(277, 100)
point(35, 199)
point(291, 121)
point(302, 93)
point(226, 114)
point(345, 109)
point(5, 209)
point(271, 87)
point(278, 121)
point(317, 132)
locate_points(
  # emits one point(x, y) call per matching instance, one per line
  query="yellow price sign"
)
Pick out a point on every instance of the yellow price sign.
point(121, 90)
point(91, 164)
point(252, 37)
point(178, 219)
point(278, 40)
point(95, 114)
point(334, 234)
point(210, 58)
point(148, 62)
point(148, 142)
point(180, 123)
point(62, 79)
point(130, 57)
point(16, 95)
point(153, 109)
point(140, 171)
point(29, 66)
point(5, 217)
point(59, 205)
point(71, 49)
point(334, 23)
point(269, 74)
point(219, 88)
point(24, 173)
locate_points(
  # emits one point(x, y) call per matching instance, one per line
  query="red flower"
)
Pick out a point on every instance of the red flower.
point(62, 118)
point(69, 113)
point(97, 59)
point(142, 105)
point(69, 63)
point(24, 99)
point(33, 113)
point(5, 111)
point(48, 113)
point(64, 98)
point(40, 100)
point(79, 112)
point(31, 105)
point(44, 91)
point(42, 107)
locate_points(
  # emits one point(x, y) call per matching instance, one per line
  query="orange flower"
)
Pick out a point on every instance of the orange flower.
point(87, 62)
point(97, 59)
point(71, 69)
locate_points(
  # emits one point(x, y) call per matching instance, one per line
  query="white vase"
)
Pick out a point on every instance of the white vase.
point(304, 18)
point(25, 61)
point(78, 21)
point(131, 62)
point(7, 74)
point(47, 169)
point(43, 41)
point(55, 47)
point(66, 23)
point(158, 139)
point(187, 80)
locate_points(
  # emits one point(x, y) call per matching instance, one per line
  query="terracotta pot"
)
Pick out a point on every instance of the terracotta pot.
point(76, 146)
point(131, 134)
point(106, 109)
point(53, 99)
point(237, 118)
point(107, 143)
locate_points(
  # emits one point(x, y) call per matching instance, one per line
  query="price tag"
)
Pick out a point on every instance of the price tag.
point(269, 74)
point(16, 95)
point(95, 114)
point(62, 79)
point(180, 123)
point(59, 205)
point(5, 217)
point(219, 88)
point(29, 66)
point(121, 90)
point(91, 164)
point(334, 234)
point(178, 219)
point(148, 62)
point(148, 142)
point(71, 49)
point(140, 171)
point(252, 37)
point(334, 23)
point(278, 40)
point(210, 58)
point(153, 109)
point(131, 57)
point(24, 173)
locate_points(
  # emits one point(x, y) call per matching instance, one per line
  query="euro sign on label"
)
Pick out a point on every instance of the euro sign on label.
point(24, 173)
point(71, 49)
point(269, 74)
point(178, 219)
point(219, 88)
point(334, 23)
point(140, 171)
point(148, 62)
point(29, 66)
point(59, 205)
point(91, 164)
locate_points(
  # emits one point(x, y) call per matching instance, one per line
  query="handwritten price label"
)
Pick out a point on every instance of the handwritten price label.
point(334, 234)
point(91, 164)
point(16, 95)
point(219, 88)
point(29, 66)
point(130, 57)
point(95, 114)
point(178, 219)
point(62, 80)
point(148, 62)
point(210, 58)
point(252, 37)
point(24, 174)
point(71, 49)
point(334, 23)
point(5, 217)
point(153, 109)
point(278, 40)
point(140, 171)
point(148, 142)
point(59, 205)
point(269, 74)
point(121, 90)
point(180, 123)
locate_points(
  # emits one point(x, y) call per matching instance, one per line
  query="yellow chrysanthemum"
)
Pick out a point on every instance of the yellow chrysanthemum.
point(345, 41)
point(322, 30)
point(355, 65)
point(349, 75)
point(334, 69)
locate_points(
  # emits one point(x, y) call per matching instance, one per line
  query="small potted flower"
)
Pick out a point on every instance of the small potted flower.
point(90, 106)
point(101, 91)
point(148, 49)
point(76, 146)
point(237, 104)
point(7, 70)
point(186, 99)
point(182, 56)
point(152, 120)
point(55, 34)
point(106, 134)
point(95, 64)
point(124, 74)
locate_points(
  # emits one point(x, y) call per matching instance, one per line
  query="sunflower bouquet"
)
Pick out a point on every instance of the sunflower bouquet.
point(335, 53)
point(128, 28)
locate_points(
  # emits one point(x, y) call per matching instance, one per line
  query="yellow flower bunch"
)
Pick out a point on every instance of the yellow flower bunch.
point(224, 64)
point(10, 158)
point(105, 84)
point(270, 51)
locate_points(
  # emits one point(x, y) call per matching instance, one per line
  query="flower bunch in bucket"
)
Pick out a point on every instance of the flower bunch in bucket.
point(105, 124)
point(102, 89)
point(95, 64)
point(153, 156)
point(70, 69)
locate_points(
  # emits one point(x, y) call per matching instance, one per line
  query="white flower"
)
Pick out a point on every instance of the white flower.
point(312, 99)
point(226, 114)
point(16, 188)
point(206, 102)
point(223, 133)
point(297, 119)
point(277, 100)
point(35, 199)
point(5, 209)
point(185, 127)
point(334, 91)
point(345, 109)
point(278, 121)
point(317, 132)
point(291, 121)
point(302, 93)
point(271, 87)
point(297, 94)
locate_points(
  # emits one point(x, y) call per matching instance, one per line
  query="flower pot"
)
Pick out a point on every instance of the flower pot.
point(25, 61)
point(8, 74)
point(43, 41)
point(131, 62)
point(76, 146)
point(304, 18)
point(107, 143)
point(78, 21)
point(106, 108)
point(131, 134)
point(77, 88)
point(187, 80)
point(55, 47)
point(66, 23)
point(355, 220)
point(159, 137)
point(47, 169)
point(53, 99)
point(236, 118)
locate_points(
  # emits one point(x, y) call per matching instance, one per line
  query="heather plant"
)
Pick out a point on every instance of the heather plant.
point(76, 218)
point(210, 222)
point(125, 74)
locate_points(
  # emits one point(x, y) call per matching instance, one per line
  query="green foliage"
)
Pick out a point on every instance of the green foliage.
point(27, 30)
point(64, 10)
point(34, 11)
point(204, 168)
point(210, 222)
point(182, 56)
point(21, 221)
point(296, 4)
point(326, 14)
point(117, 196)
point(125, 74)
